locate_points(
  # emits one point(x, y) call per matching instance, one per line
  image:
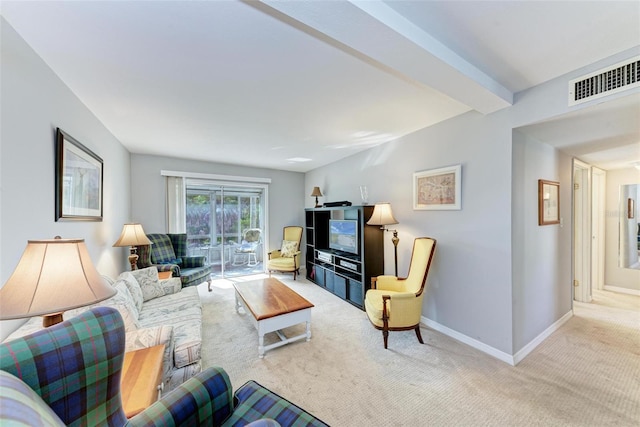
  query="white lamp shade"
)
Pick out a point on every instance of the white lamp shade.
point(52, 276)
point(382, 215)
point(132, 235)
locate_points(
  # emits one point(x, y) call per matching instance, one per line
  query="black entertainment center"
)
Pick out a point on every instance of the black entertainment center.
point(343, 252)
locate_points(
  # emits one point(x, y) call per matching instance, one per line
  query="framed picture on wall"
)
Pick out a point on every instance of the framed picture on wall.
point(78, 181)
point(438, 189)
point(548, 202)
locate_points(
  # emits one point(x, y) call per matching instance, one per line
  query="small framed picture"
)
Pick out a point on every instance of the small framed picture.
point(438, 189)
point(548, 202)
point(78, 181)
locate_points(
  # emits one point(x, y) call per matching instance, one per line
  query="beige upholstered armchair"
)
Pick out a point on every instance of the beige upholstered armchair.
point(395, 304)
point(287, 258)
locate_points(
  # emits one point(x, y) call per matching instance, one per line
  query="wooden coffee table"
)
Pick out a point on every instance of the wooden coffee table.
point(274, 307)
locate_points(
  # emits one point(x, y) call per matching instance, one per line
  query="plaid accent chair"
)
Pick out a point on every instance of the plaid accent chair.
point(69, 374)
point(169, 253)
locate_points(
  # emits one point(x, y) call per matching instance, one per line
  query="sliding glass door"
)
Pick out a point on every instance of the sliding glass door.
point(225, 224)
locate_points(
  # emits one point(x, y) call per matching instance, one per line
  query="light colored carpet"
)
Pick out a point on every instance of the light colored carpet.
point(585, 374)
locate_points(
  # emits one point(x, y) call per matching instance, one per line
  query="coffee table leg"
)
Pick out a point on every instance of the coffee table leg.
point(308, 331)
point(260, 345)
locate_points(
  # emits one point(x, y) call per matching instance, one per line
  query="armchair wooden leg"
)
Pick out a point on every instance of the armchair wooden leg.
point(385, 320)
point(418, 334)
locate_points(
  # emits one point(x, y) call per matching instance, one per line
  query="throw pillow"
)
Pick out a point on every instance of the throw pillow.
point(123, 297)
point(134, 288)
point(149, 283)
point(123, 302)
point(289, 248)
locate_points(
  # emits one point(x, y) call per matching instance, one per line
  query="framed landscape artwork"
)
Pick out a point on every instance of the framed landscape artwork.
point(78, 181)
point(438, 189)
point(548, 202)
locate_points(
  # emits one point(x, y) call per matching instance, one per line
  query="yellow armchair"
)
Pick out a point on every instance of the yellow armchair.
point(395, 304)
point(287, 258)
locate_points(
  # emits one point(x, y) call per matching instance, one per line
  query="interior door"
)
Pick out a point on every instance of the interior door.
point(598, 186)
point(581, 232)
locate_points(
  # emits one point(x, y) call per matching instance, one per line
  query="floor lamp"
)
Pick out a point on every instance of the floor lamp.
point(383, 216)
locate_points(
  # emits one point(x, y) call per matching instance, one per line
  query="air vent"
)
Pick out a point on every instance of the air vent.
point(614, 79)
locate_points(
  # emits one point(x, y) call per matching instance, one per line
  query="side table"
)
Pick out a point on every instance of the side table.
point(141, 382)
point(164, 275)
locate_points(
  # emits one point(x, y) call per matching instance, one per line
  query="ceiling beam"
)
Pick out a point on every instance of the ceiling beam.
point(380, 33)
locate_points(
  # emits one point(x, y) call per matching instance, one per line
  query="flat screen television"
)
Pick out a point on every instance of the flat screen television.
point(343, 235)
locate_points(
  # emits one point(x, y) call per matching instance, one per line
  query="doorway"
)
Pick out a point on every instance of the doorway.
point(225, 223)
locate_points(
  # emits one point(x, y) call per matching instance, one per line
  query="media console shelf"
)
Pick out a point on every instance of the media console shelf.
point(345, 274)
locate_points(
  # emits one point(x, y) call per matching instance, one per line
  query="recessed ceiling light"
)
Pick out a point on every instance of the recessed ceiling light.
point(299, 159)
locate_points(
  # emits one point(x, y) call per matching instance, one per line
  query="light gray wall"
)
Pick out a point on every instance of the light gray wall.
point(34, 102)
point(614, 275)
point(470, 282)
point(473, 288)
point(541, 254)
point(286, 195)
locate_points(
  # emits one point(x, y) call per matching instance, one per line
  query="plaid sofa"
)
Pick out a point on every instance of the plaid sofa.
point(169, 253)
point(69, 374)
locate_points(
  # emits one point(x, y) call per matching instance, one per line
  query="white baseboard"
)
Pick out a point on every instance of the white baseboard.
point(622, 290)
point(491, 351)
point(500, 355)
point(520, 355)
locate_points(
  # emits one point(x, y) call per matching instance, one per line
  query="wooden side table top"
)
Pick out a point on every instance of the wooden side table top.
point(164, 275)
point(141, 377)
point(269, 297)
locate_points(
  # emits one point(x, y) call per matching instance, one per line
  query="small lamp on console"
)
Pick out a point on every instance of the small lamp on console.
point(383, 216)
point(132, 235)
point(52, 276)
point(317, 193)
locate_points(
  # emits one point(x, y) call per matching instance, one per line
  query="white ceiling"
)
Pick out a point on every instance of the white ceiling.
point(261, 83)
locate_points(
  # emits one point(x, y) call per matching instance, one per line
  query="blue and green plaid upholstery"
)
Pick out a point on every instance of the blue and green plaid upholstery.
point(179, 244)
point(162, 251)
point(169, 253)
point(254, 402)
point(74, 366)
point(208, 394)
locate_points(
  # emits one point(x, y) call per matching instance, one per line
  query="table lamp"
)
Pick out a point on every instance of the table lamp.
point(52, 276)
point(317, 193)
point(132, 235)
point(383, 216)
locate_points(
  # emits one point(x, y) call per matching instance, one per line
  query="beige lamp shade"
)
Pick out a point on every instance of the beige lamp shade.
point(316, 192)
point(132, 235)
point(382, 215)
point(52, 276)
